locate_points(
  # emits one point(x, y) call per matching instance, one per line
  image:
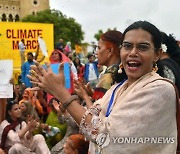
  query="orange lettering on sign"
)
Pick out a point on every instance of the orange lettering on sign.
point(23, 33)
point(15, 45)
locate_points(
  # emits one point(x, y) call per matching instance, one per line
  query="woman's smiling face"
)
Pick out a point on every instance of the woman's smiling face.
point(138, 54)
point(15, 112)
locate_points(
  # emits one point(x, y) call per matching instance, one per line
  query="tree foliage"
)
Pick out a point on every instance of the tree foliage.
point(66, 28)
point(100, 32)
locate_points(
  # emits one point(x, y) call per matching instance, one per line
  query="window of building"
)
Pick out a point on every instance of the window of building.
point(35, 2)
point(17, 18)
point(10, 18)
point(4, 17)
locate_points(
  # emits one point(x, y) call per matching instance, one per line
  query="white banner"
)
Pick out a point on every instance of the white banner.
point(6, 71)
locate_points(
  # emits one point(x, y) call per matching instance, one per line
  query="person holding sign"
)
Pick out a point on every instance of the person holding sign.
point(6, 85)
point(55, 59)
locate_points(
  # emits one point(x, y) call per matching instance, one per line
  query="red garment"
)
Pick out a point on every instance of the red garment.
point(80, 70)
point(5, 132)
point(98, 93)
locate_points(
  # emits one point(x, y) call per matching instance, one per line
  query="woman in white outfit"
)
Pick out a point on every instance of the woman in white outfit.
point(16, 135)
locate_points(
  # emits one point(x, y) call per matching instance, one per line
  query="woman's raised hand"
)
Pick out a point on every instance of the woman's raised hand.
point(45, 79)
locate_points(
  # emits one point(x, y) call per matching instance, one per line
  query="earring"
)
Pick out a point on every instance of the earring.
point(120, 68)
point(155, 67)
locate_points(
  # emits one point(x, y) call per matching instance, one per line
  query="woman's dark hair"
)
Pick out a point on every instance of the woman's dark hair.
point(119, 77)
point(77, 64)
point(9, 107)
point(147, 26)
point(173, 49)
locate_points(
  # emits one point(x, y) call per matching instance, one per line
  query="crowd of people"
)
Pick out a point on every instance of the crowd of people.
point(125, 90)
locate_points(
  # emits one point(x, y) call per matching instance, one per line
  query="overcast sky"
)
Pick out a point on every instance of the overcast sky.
point(94, 15)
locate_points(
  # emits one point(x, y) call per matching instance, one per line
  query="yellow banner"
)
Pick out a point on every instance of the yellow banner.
point(11, 34)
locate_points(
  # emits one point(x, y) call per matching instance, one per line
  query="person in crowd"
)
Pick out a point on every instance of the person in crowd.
point(25, 70)
point(73, 67)
point(53, 121)
point(58, 57)
point(79, 67)
point(60, 45)
point(22, 48)
point(28, 109)
point(108, 53)
point(76, 144)
point(91, 71)
point(168, 63)
point(29, 95)
point(42, 97)
point(16, 135)
point(17, 93)
point(67, 48)
point(3, 102)
point(131, 108)
point(72, 128)
point(78, 51)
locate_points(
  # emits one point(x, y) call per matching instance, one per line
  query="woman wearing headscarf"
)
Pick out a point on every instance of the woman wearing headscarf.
point(58, 57)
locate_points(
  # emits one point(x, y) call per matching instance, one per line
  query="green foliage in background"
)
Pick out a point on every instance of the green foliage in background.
point(66, 28)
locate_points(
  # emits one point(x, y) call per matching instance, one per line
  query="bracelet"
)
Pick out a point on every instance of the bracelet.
point(68, 102)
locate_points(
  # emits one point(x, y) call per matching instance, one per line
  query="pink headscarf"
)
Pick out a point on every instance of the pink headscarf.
point(64, 57)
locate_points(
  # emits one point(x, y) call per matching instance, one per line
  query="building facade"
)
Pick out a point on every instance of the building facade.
point(14, 10)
